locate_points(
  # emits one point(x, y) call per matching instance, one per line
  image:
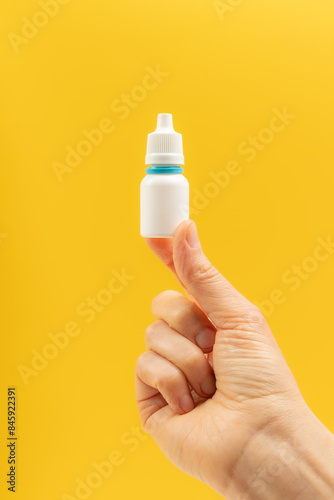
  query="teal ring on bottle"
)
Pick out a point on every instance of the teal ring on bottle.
point(165, 169)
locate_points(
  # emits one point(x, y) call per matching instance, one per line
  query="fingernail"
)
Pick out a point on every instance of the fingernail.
point(191, 237)
point(206, 338)
point(186, 403)
point(209, 385)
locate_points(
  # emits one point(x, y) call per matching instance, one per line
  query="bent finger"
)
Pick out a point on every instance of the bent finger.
point(184, 316)
point(185, 355)
point(155, 375)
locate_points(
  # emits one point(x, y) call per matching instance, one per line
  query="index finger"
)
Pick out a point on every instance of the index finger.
point(163, 249)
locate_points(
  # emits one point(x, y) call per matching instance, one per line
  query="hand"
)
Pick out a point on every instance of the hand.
point(213, 388)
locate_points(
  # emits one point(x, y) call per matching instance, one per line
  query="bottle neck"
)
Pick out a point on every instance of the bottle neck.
point(164, 169)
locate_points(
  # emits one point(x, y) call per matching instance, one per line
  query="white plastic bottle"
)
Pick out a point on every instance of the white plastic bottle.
point(164, 192)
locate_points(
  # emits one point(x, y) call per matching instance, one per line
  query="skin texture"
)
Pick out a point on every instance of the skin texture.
point(215, 393)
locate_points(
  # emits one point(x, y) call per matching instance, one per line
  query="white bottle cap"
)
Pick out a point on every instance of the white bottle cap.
point(164, 145)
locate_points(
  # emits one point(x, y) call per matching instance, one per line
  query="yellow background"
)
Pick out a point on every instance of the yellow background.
point(61, 240)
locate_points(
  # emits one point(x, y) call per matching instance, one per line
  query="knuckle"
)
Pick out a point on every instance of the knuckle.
point(163, 297)
point(151, 331)
point(249, 319)
point(141, 363)
point(193, 359)
point(169, 383)
point(149, 425)
point(181, 313)
point(148, 333)
point(205, 272)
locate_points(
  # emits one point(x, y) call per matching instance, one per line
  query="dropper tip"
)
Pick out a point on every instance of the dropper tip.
point(165, 121)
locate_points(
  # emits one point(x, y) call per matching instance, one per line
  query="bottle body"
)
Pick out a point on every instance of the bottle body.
point(164, 203)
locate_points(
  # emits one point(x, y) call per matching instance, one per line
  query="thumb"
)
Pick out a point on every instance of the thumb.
point(214, 294)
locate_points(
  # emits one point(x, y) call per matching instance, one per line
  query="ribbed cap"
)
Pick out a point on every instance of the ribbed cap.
point(164, 145)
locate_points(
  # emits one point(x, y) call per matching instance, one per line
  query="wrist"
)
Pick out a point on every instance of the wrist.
point(290, 457)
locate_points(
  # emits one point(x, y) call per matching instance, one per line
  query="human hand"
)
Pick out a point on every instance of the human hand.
point(213, 388)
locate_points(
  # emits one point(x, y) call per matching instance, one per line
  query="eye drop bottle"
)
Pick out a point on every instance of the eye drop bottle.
point(164, 191)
